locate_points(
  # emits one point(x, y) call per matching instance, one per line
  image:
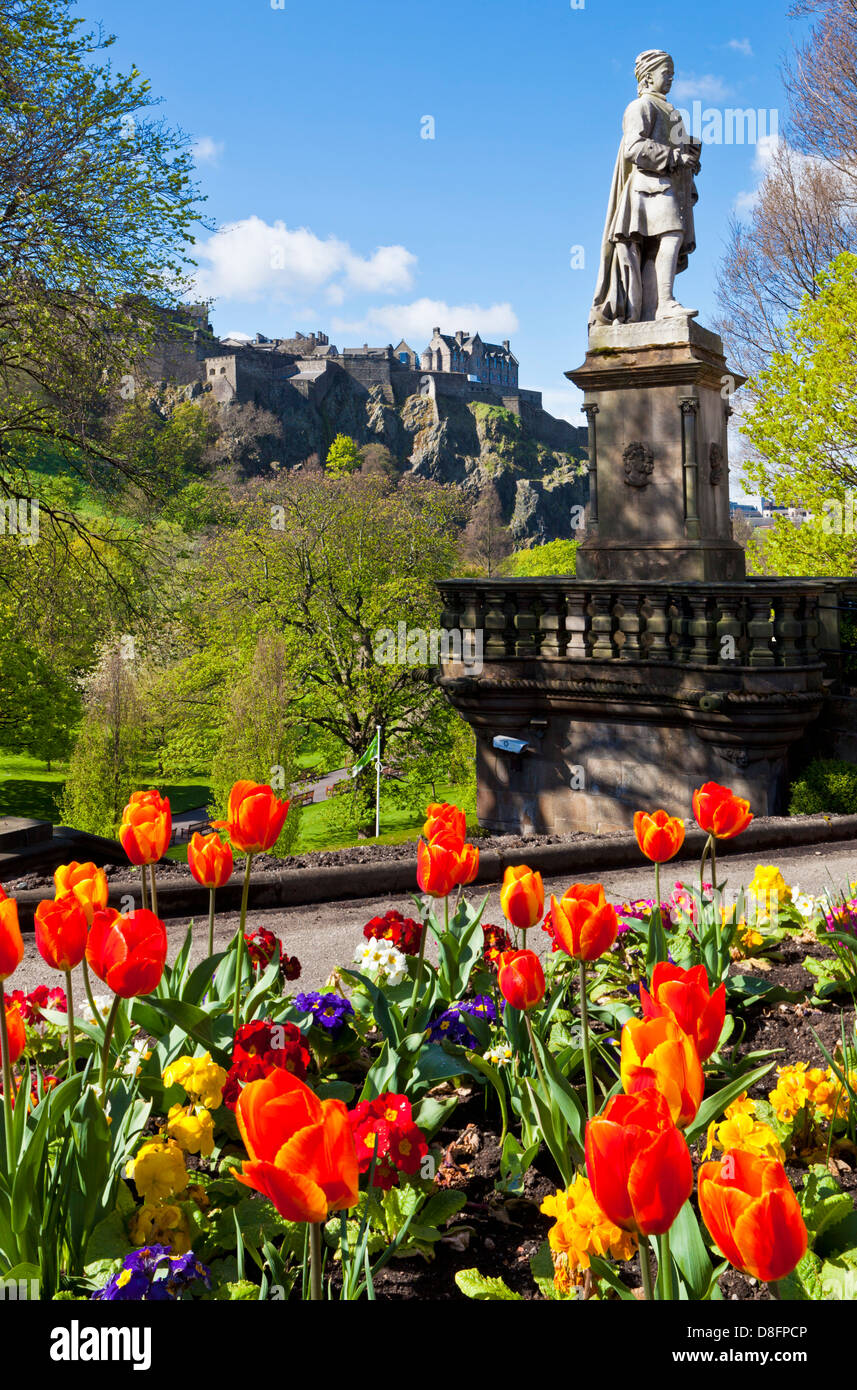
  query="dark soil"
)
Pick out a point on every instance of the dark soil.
point(370, 853)
point(499, 1235)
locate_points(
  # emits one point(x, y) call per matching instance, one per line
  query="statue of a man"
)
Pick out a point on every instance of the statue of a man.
point(649, 233)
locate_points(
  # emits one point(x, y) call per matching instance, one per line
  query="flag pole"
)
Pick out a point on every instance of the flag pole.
point(378, 782)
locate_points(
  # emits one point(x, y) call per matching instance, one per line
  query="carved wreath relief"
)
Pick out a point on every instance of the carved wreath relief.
point(715, 459)
point(639, 464)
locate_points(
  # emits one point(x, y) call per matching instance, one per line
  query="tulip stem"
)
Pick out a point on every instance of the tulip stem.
point(96, 1016)
point(239, 947)
point(587, 1055)
point(535, 1053)
point(105, 1056)
point(315, 1261)
point(666, 1264)
point(419, 971)
point(72, 1063)
point(144, 892)
point(646, 1268)
point(705, 853)
point(7, 1084)
point(153, 889)
point(211, 922)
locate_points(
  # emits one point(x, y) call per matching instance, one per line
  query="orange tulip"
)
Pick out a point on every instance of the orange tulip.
point(302, 1155)
point(444, 863)
point(210, 860)
point(720, 813)
point(659, 835)
point(752, 1214)
point(254, 818)
point(584, 923)
point(11, 941)
point(61, 931)
point(128, 952)
point(441, 817)
point(17, 1033)
point(86, 882)
point(147, 826)
point(520, 979)
point(522, 897)
point(684, 995)
point(638, 1163)
point(656, 1052)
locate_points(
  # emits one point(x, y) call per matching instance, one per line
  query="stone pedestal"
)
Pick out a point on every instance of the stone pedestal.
point(656, 396)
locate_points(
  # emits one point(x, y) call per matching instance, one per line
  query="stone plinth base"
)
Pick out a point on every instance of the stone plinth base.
point(657, 401)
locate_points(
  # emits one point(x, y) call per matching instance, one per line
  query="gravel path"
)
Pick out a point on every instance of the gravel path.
point(326, 935)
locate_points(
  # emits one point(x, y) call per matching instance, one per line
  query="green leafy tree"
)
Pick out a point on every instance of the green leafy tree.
point(343, 456)
point(260, 737)
point(554, 557)
point(802, 428)
point(107, 763)
point(97, 207)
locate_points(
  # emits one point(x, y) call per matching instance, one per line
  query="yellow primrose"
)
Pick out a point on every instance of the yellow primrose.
point(160, 1225)
point(768, 890)
point(158, 1171)
point(192, 1130)
point(741, 1131)
point(581, 1230)
point(199, 1077)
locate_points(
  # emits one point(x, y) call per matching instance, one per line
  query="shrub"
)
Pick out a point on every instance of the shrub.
point(827, 784)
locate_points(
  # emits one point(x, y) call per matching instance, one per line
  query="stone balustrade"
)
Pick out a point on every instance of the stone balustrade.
point(756, 623)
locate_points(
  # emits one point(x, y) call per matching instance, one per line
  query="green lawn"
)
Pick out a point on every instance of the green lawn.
point(27, 788)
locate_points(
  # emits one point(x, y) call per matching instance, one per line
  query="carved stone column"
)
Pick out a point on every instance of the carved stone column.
point(590, 411)
point(690, 465)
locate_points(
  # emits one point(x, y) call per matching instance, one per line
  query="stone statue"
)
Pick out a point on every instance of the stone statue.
point(649, 233)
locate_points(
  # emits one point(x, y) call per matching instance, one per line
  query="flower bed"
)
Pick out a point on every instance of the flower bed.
point(661, 1103)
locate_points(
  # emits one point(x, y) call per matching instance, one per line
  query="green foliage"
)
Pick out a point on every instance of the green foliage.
point(343, 456)
point(556, 557)
point(107, 762)
point(260, 737)
point(92, 245)
point(484, 1287)
point(803, 430)
point(827, 784)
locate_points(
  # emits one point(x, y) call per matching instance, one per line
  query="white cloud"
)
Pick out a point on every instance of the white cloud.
point(766, 149)
point(255, 260)
point(207, 151)
point(742, 46)
point(415, 321)
point(708, 87)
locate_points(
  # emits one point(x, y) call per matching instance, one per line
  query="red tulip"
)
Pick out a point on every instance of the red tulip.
point(254, 819)
point(302, 1155)
point(720, 813)
point(638, 1163)
point(442, 818)
point(520, 979)
point(11, 941)
point(210, 860)
point(684, 995)
point(444, 863)
point(17, 1033)
point(129, 952)
point(522, 897)
point(61, 931)
point(88, 884)
point(659, 835)
point(584, 923)
point(147, 827)
point(752, 1214)
point(656, 1052)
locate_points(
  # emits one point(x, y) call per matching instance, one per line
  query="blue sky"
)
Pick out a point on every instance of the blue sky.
point(333, 212)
